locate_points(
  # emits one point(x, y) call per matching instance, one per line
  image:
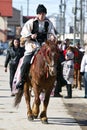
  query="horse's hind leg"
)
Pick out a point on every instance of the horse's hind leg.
point(79, 80)
point(74, 83)
point(27, 99)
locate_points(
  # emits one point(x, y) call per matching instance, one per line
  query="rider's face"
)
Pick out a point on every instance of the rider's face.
point(41, 16)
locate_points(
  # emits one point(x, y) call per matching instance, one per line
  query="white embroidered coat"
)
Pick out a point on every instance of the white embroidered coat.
point(26, 32)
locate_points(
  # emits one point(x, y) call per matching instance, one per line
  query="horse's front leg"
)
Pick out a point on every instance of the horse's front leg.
point(43, 115)
point(36, 103)
point(27, 99)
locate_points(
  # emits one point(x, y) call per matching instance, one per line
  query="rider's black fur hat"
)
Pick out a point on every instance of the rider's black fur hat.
point(41, 9)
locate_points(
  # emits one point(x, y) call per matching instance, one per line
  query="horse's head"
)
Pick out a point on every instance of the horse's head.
point(51, 57)
point(77, 56)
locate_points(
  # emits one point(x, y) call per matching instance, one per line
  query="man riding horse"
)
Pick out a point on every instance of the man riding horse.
point(35, 32)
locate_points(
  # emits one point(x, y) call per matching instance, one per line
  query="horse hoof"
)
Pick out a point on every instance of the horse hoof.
point(35, 117)
point(30, 118)
point(44, 121)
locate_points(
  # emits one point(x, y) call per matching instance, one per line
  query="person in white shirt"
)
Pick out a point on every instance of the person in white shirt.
point(83, 70)
point(37, 31)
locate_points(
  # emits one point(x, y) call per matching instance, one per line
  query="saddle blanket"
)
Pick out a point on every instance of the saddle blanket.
point(17, 77)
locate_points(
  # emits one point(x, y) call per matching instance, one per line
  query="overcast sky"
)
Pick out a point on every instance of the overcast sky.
point(51, 5)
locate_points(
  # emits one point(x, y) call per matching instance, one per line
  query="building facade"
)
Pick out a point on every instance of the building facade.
point(5, 12)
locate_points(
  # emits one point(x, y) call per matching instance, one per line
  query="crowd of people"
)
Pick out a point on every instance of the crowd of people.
point(67, 62)
point(34, 33)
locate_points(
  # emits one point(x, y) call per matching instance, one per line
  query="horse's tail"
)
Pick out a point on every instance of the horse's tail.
point(18, 98)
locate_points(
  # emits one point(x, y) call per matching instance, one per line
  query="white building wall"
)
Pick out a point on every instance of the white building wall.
point(3, 28)
point(3, 23)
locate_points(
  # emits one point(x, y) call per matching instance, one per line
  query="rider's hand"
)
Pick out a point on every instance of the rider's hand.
point(34, 36)
point(5, 69)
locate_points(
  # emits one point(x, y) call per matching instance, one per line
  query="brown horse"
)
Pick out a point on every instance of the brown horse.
point(77, 62)
point(41, 79)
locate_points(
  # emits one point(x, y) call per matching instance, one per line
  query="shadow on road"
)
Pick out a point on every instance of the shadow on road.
point(62, 121)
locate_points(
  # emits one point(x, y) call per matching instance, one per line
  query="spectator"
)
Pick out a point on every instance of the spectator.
point(60, 80)
point(68, 72)
point(14, 53)
point(83, 70)
point(78, 45)
point(66, 44)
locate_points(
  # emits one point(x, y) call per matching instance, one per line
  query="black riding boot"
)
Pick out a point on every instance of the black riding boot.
point(24, 71)
point(69, 91)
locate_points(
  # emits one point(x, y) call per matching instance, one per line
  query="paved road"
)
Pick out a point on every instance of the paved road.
point(16, 119)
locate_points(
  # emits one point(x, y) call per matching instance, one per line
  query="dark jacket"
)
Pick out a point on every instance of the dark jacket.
point(13, 56)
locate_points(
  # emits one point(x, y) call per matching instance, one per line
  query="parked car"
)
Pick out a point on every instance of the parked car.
point(3, 47)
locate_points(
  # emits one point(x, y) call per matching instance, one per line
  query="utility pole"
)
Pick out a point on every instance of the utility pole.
point(21, 17)
point(27, 7)
point(62, 8)
point(81, 23)
point(75, 12)
point(86, 5)
point(78, 20)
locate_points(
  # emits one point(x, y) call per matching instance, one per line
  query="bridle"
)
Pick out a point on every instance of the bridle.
point(50, 66)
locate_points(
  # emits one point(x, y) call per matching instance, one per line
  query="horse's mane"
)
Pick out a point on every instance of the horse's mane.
point(45, 46)
point(40, 64)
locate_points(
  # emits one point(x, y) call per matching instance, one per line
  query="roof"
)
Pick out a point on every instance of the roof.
point(6, 8)
point(26, 18)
